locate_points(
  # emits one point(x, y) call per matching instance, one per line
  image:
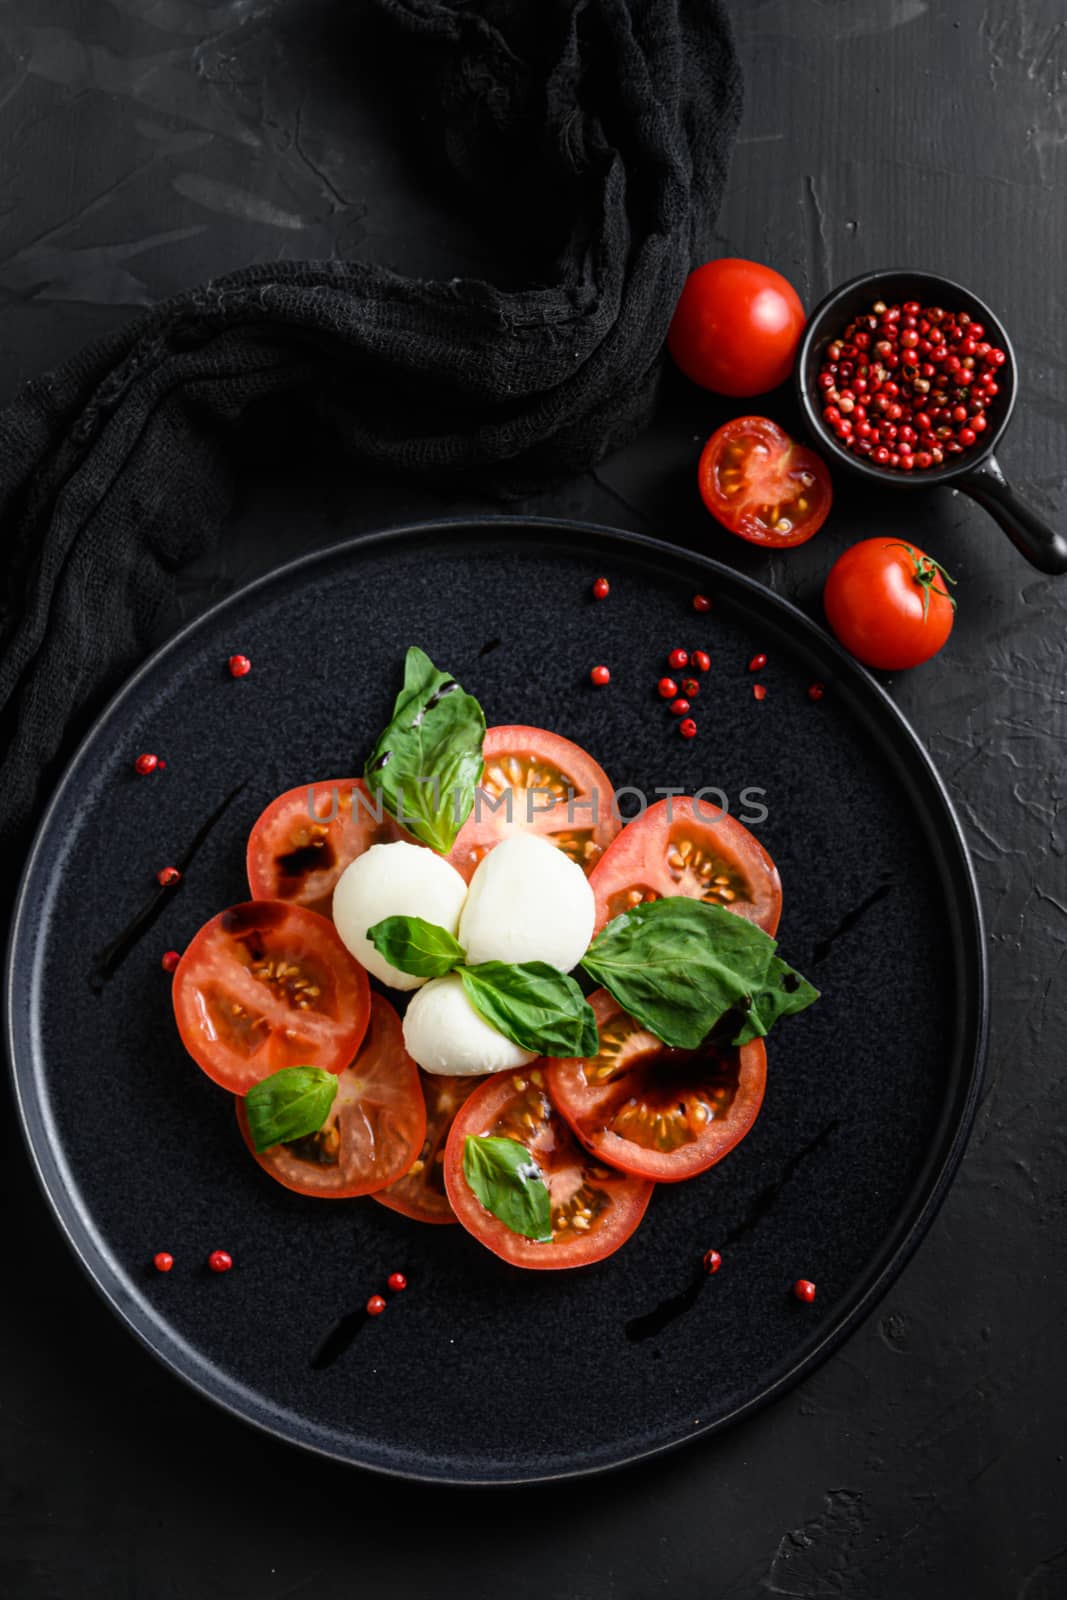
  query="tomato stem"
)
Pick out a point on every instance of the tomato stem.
point(926, 573)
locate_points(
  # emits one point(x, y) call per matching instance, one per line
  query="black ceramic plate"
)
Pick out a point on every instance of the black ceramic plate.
point(481, 1373)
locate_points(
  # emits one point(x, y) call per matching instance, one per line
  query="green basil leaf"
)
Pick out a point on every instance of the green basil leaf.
point(534, 1005)
point(416, 946)
point(427, 763)
point(783, 994)
point(291, 1103)
point(507, 1180)
point(679, 965)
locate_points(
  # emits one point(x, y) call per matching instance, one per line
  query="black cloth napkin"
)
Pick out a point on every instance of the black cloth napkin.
point(592, 135)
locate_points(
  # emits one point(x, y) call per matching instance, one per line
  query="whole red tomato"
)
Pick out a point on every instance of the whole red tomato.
point(736, 327)
point(889, 604)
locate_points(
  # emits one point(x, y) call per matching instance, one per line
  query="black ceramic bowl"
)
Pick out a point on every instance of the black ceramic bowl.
point(976, 472)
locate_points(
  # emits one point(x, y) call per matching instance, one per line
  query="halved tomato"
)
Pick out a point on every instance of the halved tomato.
point(375, 1127)
point(677, 847)
point(758, 483)
point(300, 845)
point(538, 782)
point(661, 1113)
point(420, 1193)
point(267, 985)
point(594, 1209)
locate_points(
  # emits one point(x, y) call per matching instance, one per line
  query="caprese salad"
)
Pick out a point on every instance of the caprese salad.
point(584, 1003)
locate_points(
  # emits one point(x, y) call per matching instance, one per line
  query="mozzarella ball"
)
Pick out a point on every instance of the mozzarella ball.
point(444, 1033)
point(394, 880)
point(527, 901)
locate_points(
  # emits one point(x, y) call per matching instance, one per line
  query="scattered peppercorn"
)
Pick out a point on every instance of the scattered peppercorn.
point(759, 691)
point(601, 589)
point(375, 1305)
point(804, 1290)
point(679, 707)
point(600, 676)
point(701, 602)
point(688, 728)
point(668, 689)
point(239, 666)
point(712, 1261)
point(169, 960)
point(691, 687)
point(678, 659)
point(701, 660)
point(757, 663)
point(168, 876)
point(816, 691)
point(146, 764)
point(163, 1261)
point(397, 1281)
point(220, 1261)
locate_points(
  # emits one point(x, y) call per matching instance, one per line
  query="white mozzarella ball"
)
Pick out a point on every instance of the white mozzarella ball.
point(394, 880)
point(444, 1033)
point(527, 901)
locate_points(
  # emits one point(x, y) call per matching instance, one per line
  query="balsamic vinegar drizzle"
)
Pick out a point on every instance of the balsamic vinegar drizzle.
point(337, 1339)
point(849, 921)
point(676, 1305)
point(107, 961)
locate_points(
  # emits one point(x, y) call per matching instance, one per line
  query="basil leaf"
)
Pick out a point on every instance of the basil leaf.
point(534, 1005)
point(427, 763)
point(415, 946)
point(507, 1180)
point(783, 994)
point(291, 1103)
point(678, 965)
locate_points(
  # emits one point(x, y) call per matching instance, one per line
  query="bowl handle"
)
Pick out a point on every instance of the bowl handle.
point(1031, 535)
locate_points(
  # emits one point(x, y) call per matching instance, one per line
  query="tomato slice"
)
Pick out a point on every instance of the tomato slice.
point(594, 1208)
point(571, 805)
point(375, 1127)
point(300, 845)
point(267, 985)
point(677, 847)
point(759, 484)
point(660, 1113)
point(420, 1193)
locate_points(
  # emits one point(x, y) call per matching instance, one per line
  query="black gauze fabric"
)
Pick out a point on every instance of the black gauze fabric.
point(592, 134)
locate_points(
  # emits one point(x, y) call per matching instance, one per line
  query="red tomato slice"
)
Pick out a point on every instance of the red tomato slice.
point(661, 1113)
point(677, 848)
point(420, 1193)
point(571, 805)
point(294, 855)
point(594, 1209)
point(375, 1127)
point(267, 985)
point(759, 484)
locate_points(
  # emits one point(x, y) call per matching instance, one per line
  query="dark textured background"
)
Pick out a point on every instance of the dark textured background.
point(148, 143)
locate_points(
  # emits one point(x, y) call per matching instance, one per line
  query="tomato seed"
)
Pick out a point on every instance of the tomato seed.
point(688, 728)
point(601, 589)
point(804, 1290)
point(712, 1261)
point(816, 691)
point(375, 1305)
point(163, 1261)
point(397, 1281)
point(239, 666)
point(701, 660)
point(146, 764)
point(220, 1261)
point(600, 676)
point(169, 960)
point(757, 663)
point(668, 689)
point(701, 602)
point(759, 690)
point(167, 876)
point(678, 659)
point(679, 707)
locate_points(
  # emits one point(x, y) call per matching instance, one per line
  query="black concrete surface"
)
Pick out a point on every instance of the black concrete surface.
point(150, 143)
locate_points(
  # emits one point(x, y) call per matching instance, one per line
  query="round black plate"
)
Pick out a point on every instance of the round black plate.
point(481, 1373)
